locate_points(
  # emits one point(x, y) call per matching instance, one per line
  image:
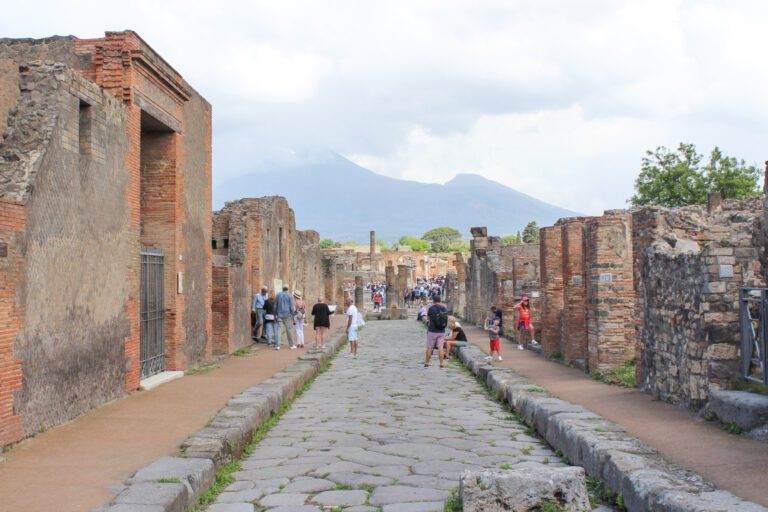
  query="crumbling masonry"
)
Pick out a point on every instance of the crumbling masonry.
point(256, 244)
point(106, 150)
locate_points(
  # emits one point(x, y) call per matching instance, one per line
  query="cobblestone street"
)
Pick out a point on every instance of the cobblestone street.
point(380, 433)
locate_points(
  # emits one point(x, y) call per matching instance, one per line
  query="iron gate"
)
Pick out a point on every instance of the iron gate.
point(753, 313)
point(152, 312)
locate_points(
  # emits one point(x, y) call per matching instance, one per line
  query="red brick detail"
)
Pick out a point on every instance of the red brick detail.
point(574, 325)
point(551, 247)
point(12, 224)
point(610, 291)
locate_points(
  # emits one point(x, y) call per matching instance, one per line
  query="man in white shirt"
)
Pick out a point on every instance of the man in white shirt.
point(352, 326)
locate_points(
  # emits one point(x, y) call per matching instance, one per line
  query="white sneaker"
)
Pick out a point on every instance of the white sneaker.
point(277, 348)
point(499, 359)
point(292, 347)
point(520, 347)
point(488, 358)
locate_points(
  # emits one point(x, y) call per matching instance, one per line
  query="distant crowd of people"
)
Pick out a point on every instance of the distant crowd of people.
point(286, 312)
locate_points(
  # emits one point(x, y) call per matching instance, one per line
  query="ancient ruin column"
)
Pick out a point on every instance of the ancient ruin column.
point(373, 247)
point(391, 290)
point(574, 333)
point(610, 290)
point(402, 283)
point(551, 257)
point(359, 296)
point(461, 286)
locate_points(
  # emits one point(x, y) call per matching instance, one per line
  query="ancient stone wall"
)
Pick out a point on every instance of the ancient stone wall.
point(689, 265)
point(456, 287)
point(573, 334)
point(551, 258)
point(498, 275)
point(77, 201)
point(256, 241)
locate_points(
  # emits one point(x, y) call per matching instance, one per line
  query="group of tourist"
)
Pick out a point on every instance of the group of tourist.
point(437, 319)
point(426, 290)
point(286, 312)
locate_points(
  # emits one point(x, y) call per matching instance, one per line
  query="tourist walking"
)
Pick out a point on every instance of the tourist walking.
point(257, 314)
point(270, 321)
point(321, 322)
point(285, 311)
point(437, 316)
point(492, 327)
point(524, 325)
point(456, 336)
point(352, 326)
point(299, 319)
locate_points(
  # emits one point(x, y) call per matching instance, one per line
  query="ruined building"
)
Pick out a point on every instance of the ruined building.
point(105, 211)
point(496, 275)
point(657, 285)
point(256, 244)
point(587, 290)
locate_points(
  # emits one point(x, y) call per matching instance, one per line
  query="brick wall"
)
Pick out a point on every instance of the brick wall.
point(574, 316)
point(76, 168)
point(551, 257)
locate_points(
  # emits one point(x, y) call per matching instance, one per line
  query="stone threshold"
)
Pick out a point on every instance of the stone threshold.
point(175, 484)
point(626, 465)
point(159, 379)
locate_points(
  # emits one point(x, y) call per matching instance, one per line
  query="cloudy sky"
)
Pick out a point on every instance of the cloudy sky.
point(558, 99)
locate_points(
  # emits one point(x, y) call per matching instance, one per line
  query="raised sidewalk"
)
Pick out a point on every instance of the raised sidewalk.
point(81, 465)
point(733, 463)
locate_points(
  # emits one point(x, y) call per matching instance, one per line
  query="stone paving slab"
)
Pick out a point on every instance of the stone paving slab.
point(381, 433)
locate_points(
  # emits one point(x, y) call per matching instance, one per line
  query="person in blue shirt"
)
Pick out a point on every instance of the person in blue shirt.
point(257, 315)
point(285, 309)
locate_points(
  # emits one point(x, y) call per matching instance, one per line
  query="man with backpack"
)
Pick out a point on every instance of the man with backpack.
point(438, 321)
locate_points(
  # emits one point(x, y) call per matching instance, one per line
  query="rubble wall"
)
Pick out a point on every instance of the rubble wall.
point(71, 286)
point(689, 265)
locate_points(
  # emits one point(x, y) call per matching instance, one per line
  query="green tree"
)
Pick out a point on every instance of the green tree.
point(416, 244)
point(512, 239)
point(327, 243)
point(677, 178)
point(442, 239)
point(531, 233)
point(383, 246)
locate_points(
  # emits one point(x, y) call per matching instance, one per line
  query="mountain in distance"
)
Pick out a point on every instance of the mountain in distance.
point(344, 201)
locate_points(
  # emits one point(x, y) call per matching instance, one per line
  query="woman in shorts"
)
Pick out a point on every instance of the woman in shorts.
point(457, 335)
point(321, 322)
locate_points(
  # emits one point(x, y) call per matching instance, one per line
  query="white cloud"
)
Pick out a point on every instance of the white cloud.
point(557, 98)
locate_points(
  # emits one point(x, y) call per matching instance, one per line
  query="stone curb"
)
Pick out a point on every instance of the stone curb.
point(174, 484)
point(629, 467)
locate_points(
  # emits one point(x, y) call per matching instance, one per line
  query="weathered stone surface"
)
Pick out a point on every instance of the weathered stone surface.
point(525, 488)
point(196, 474)
point(747, 410)
point(171, 497)
point(340, 498)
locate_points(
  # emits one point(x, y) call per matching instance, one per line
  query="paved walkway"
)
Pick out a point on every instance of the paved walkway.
point(380, 431)
point(80, 465)
point(733, 463)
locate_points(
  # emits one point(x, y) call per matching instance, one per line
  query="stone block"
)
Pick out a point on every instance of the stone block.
point(171, 497)
point(196, 474)
point(745, 409)
point(726, 271)
point(526, 487)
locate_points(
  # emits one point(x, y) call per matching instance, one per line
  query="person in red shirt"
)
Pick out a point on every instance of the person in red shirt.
point(524, 310)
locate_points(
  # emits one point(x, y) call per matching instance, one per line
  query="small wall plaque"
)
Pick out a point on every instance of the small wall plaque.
point(577, 279)
point(606, 278)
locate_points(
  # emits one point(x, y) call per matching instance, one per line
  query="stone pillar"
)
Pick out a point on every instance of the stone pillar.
point(610, 290)
point(391, 291)
point(359, 295)
point(714, 201)
point(551, 257)
point(574, 333)
point(402, 283)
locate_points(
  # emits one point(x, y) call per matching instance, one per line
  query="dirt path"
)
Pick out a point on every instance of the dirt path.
point(82, 464)
point(733, 463)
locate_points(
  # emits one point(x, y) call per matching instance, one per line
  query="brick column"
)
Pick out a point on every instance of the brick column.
point(610, 291)
point(391, 290)
point(359, 296)
point(574, 328)
point(551, 258)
